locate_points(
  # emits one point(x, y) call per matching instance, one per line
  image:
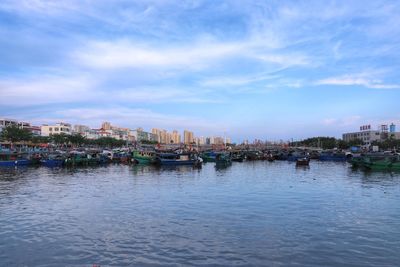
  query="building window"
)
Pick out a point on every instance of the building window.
point(50, 129)
point(56, 129)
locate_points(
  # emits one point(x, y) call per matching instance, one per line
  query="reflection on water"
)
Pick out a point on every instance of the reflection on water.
point(251, 213)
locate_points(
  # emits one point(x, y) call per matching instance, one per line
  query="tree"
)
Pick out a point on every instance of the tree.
point(76, 139)
point(59, 139)
point(13, 134)
point(40, 139)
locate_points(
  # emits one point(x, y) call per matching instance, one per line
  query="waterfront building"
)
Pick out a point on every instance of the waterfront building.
point(81, 129)
point(91, 134)
point(140, 135)
point(392, 128)
point(188, 137)
point(367, 135)
point(176, 137)
point(106, 125)
point(34, 130)
point(58, 128)
point(219, 140)
point(7, 122)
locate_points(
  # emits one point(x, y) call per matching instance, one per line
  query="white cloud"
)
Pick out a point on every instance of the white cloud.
point(362, 79)
point(84, 89)
point(44, 90)
point(122, 54)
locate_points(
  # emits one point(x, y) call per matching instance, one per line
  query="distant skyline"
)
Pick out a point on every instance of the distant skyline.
point(251, 69)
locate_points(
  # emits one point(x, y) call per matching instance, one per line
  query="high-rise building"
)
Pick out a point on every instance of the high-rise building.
point(81, 128)
point(176, 137)
point(392, 128)
point(106, 125)
point(188, 137)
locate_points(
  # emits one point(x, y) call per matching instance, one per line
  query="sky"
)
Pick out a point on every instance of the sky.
point(272, 70)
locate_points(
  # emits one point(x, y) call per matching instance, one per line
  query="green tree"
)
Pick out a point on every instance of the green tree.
point(59, 139)
point(13, 134)
point(76, 139)
point(40, 139)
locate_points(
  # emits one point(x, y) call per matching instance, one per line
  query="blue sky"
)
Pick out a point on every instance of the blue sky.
point(251, 69)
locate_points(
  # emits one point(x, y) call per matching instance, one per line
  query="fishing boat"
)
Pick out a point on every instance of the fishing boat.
point(53, 160)
point(332, 156)
point(294, 156)
point(14, 159)
point(208, 156)
point(144, 157)
point(303, 161)
point(223, 159)
point(237, 156)
point(172, 159)
point(253, 155)
point(76, 158)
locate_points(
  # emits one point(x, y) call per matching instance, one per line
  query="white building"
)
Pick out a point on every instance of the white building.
point(58, 128)
point(367, 135)
point(7, 122)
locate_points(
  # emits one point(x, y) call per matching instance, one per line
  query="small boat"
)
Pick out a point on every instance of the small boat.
point(237, 156)
point(332, 156)
point(208, 156)
point(303, 161)
point(223, 159)
point(294, 156)
point(253, 155)
point(53, 160)
point(172, 159)
point(144, 157)
point(14, 159)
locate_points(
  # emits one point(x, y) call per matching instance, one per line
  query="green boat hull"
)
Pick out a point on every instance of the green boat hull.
point(143, 159)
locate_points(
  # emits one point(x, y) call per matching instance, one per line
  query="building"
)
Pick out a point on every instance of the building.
point(188, 137)
point(58, 128)
point(176, 137)
point(140, 135)
point(7, 122)
point(106, 125)
point(81, 129)
point(34, 130)
point(367, 135)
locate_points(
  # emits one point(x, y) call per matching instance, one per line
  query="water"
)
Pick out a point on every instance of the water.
point(250, 214)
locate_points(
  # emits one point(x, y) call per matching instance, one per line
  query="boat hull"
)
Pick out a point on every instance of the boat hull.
point(52, 163)
point(169, 162)
point(14, 163)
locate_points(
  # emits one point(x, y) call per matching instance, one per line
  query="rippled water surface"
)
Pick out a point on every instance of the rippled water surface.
point(250, 214)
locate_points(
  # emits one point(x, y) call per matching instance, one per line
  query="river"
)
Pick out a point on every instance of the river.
point(249, 214)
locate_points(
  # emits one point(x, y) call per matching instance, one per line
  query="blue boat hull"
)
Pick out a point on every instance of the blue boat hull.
point(170, 162)
point(14, 163)
point(332, 158)
point(52, 163)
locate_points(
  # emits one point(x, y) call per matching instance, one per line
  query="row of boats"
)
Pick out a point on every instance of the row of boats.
point(59, 158)
point(376, 161)
point(86, 158)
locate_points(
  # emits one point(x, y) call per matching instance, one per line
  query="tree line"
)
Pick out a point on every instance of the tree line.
point(327, 143)
point(15, 134)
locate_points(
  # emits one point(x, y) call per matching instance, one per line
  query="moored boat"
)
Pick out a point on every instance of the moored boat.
point(14, 160)
point(237, 156)
point(208, 156)
point(144, 157)
point(53, 160)
point(223, 159)
point(172, 159)
point(303, 161)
